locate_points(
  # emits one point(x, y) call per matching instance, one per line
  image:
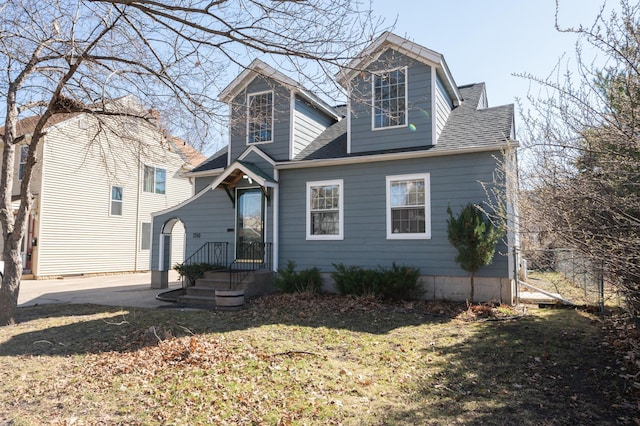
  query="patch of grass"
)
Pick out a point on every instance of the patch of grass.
point(579, 293)
point(297, 359)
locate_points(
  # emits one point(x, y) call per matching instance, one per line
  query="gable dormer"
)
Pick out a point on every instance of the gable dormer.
point(400, 96)
point(271, 111)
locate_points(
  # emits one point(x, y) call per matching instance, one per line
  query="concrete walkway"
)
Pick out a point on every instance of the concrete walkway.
point(126, 290)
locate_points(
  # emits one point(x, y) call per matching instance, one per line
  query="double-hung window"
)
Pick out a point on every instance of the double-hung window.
point(390, 99)
point(260, 118)
point(325, 210)
point(408, 207)
point(155, 180)
point(24, 152)
point(116, 201)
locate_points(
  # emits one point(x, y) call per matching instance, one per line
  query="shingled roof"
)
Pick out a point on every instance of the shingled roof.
point(214, 162)
point(467, 127)
point(27, 125)
point(189, 154)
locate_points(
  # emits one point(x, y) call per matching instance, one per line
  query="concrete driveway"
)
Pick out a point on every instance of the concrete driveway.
point(126, 290)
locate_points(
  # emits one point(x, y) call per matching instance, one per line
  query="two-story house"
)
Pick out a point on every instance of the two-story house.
point(96, 183)
point(365, 184)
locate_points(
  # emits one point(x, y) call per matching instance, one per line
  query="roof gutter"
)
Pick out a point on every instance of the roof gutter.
point(390, 157)
point(205, 173)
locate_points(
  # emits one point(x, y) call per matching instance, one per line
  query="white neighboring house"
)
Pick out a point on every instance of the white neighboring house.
point(96, 183)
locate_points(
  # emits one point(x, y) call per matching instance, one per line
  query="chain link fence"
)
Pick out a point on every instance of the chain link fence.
point(568, 273)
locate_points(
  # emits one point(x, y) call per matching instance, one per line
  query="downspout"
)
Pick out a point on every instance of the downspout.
point(276, 219)
point(137, 227)
point(35, 256)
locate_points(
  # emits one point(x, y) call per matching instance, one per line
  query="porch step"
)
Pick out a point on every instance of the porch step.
point(222, 284)
point(198, 300)
point(201, 292)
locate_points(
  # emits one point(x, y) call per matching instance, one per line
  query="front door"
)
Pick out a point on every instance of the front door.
point(250, 225)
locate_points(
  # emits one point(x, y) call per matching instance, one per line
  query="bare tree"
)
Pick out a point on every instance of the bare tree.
point(581, 180)
point(62, 56)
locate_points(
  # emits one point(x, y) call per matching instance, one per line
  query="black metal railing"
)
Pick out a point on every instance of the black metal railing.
point(250, 257)
point(213, 253)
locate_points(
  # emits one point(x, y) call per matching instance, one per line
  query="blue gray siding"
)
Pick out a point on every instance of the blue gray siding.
point(202, 182)
point(363, 137)
point(260, 162)
point(279, 148)
point(454, 181)
point(443, 107)
point(309, 122)
point(209, 218)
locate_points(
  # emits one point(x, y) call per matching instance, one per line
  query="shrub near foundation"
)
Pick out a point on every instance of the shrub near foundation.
point(395, 283)
point(194, 271)
point(305, 281)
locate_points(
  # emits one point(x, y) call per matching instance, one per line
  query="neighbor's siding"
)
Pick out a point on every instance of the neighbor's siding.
point(363, 137)
point(35, 174)
point(77, 234)
point(454, 182)
point(309, 122)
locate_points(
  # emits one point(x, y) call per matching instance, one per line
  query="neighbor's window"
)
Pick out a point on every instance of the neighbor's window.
point(389, 99)
point(24, 152)
point(408, 207)
point(325, 210)
point(155, 180)
point(145, 236)
point(116, 201)
point(260, 118)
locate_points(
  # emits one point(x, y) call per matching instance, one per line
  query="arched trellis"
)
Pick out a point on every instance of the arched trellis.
point(164, 258)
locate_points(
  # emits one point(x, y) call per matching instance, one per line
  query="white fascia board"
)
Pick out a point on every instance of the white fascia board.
point(301, 164)
point(449, 82)
point(256, 68)
point(318, 103)
point(205, 173)
point(386, 41)
point(434, 107)
point(213, 185)
point(292, 123)
point(258, 151)
point(413, 50)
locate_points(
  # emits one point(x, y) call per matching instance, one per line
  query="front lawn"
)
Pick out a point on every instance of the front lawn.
point(323, 360)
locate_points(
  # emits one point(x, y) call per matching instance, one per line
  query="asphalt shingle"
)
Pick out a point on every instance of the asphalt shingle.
point(216, 161)
point(467, 127)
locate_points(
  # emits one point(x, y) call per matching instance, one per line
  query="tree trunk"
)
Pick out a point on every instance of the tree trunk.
point(10, 287)
point(472, 286)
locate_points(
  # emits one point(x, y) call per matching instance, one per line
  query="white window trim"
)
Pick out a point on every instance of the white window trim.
point(406, 100)
point(340, 234)
point(111, 200)
point(273, 116)
point(426, 235)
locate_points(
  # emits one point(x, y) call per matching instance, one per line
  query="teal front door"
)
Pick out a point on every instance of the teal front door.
point(250, 225)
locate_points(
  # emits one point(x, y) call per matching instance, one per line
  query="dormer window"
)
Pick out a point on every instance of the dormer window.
point(390, 99)
point(260, 118)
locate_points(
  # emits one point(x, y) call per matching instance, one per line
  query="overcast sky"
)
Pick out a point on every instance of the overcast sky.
point(489, 40)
